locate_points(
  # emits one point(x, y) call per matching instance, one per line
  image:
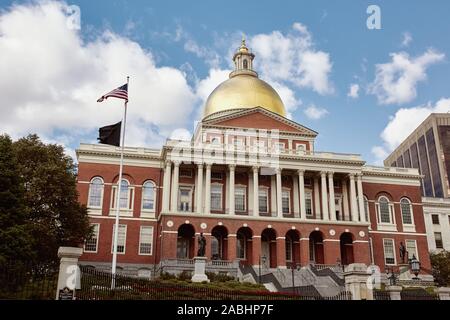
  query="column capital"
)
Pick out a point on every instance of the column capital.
point(200, 165)
point(208, 165)
point(255, 168)
point(177, 163)
point(359, 175)
point(330, 174)
point(301, 172)
point(168, 163)
point(351, 176)
point(323, 173)
point(278, 170)
point(232, 167)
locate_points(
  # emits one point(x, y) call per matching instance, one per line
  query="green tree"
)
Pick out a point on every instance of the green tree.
point(440, 263)
point(16, 242)
point(54, 213)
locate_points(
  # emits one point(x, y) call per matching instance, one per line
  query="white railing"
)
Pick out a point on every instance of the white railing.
point(376, 169)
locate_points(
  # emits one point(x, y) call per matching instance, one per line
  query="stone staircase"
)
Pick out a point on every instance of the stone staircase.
point(324, 281)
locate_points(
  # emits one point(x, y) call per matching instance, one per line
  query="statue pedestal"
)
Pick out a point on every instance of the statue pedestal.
point(199, 270)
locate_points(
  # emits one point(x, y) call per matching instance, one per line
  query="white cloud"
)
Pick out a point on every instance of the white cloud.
point(407, 38)
point(403, 123)
point(315, 113)
point(353, 91)
point(54, 78)
point(181, 134)
point(396, 81)
point(292, 58)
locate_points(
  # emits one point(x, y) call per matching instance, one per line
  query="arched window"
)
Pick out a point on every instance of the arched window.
point(126, 195)
point(245, 64)
point(406, 208)
point(384, 210)
point(148, 196)
point(95, 193)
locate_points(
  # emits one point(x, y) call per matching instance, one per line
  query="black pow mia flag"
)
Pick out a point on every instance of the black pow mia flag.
point(110, 134)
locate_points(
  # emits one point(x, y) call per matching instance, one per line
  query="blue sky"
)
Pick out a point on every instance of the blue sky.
point(402, 70)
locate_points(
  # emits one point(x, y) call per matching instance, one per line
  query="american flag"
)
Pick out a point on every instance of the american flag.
point(120, 92)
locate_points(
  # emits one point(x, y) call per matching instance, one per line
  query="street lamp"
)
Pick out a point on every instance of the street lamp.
point(262, 260)
point(415, 266)
point(294, 266)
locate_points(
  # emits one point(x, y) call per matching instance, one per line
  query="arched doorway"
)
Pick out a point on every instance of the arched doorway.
point(185, 241)
point(316, 247)
point(244, 245)
point(346, 240)
point(219, 243)
point(292, 247)
point(269, 248)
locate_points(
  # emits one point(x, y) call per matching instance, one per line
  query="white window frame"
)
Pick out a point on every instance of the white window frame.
point(393, 250)
point(389, 226)
point(300, 148)
point(266, 191)
point(238, 143)
point(215, 140)
point(151, 241)
point(244, 189)
point(127, 212)
point(148, 213)
point(338, 206)
point(96, 240)
point(309, 196)
point(125, 239)
point(216, 185)
point(407, 227)
point(288, 192)
point(96, 209)
point(279, 147)
point(190, 188)
point(416, 252)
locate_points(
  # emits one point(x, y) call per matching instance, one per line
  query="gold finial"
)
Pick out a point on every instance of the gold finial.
point(243, 40)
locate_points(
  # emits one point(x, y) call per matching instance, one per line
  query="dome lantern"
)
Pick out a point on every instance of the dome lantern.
point(243, 61)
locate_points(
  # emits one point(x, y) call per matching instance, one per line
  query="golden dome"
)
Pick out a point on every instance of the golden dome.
point(244, 90)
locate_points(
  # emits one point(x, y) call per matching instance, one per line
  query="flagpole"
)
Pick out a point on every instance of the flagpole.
point(119, 189)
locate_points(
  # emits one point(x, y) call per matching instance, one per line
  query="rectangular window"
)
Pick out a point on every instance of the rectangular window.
point(434, 164)
point(216, 197)
point(216, 176)
point(389, 253)
point(308, 204)
point(407, 159)
point(146, 240)
point(240, 247)
point(121, 238)
point(300, 147)
point(308, 182)
point(185, 199)
point(438, 240)
point(263, 199)
point(286, 201)
point(289, 245)
point(279, 146)
point(185, 173)
point(435, 218)
point(126, 197)
point(425, 168)
point(411, 248)
point(239, 199)
point(92, 243)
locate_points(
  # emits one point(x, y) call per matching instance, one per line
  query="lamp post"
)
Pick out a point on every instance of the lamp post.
point(414, 264)
point(294, 266)
point(262, 260)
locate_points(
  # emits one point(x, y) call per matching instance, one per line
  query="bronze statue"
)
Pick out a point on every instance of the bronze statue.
point(201, 246)
point(403, 253)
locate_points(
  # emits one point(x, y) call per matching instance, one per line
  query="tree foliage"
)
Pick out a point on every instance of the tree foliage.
point(440, 263)
point(46, 196)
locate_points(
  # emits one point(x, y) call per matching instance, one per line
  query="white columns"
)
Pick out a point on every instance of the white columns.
point(301, 186)
point(279, 195)
point(208, 189)
point(331, 197)
point(323, 176)
point(231, 195)
point(353, 205)
point(346, 214)
point(317, 210)
point(176, 170)
point(362, 216)
point(199, 188)
point(273, 196)
point(166, 187)
point(255, 191)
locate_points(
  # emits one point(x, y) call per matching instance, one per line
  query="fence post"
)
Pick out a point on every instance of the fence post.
point(444, 293)
point(68, 269)
point(356, 276)
point(394, 292)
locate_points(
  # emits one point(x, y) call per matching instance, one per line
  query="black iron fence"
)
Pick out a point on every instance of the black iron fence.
point(418, 294)
point(28, 281)
point(96, 285)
